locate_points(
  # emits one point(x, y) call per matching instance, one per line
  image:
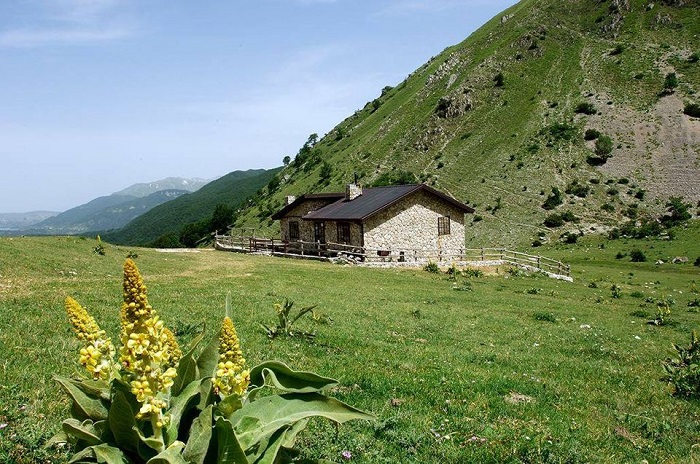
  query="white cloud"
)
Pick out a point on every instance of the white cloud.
point(40, 37)
point(69, 22)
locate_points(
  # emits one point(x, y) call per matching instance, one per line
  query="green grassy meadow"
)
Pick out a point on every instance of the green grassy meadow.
point(504, 367)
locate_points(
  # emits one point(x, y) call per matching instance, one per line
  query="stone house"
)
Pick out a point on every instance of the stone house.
point(382, 221)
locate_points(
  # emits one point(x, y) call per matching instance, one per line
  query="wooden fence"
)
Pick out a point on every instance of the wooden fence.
point(482, 256)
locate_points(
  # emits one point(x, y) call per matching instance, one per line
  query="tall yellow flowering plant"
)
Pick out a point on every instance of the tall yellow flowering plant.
point(156, 404)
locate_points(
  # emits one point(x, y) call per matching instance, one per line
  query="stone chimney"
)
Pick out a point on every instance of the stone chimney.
point(290, 199)
point(352, 191)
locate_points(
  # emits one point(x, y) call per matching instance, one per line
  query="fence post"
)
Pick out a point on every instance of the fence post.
point(482, 254)
point(538, 263)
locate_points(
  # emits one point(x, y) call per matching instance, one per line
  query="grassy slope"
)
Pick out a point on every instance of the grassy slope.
point(497, 149)
point(447, 359)
point(232, 189)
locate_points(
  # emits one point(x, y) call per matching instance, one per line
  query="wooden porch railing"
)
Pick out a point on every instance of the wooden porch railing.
point(399, 255)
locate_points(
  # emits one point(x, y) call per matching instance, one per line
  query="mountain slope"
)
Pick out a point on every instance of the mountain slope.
point(500, 119)
point(103, 213)
point(169, 183)
point(232, 190)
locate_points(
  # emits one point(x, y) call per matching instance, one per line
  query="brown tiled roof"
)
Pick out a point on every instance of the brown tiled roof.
point(331, 197)
point(374, 200)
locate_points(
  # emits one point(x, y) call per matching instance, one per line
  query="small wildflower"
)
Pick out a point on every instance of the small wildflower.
point(230, 376)
point(346, 454)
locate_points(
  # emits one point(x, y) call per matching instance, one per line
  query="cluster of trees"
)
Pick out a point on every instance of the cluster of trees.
point(193, 233)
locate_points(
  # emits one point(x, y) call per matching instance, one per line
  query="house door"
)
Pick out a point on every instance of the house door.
point(320, 232)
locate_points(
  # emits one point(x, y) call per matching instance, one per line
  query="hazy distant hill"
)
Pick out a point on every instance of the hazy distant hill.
point(17, 221)
point(592, 98)
point(113, 211)
point(232, 190)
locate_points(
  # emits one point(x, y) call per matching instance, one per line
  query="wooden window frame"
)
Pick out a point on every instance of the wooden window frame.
point(294, 231)
point(443, 225)
point(343, 233)
point(320, 232)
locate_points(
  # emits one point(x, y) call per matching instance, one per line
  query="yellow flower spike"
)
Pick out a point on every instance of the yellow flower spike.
point(149, 351)
point(98, 353)
point(230, 377)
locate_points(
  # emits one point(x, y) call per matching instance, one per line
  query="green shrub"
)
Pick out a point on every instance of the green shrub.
point(619, 48)
point(553, 200)
point(609, 207)
point(560, 131)
point(498, 79)
point(585, 108)
point(603, 146)
point(570, 238)
point(637, 256)
point(615, 291)
point(553, 220)
point(546, 317)
point(670, 83)
point(591, 134)
point(620, 255)
point(697, 261)
point(432, 268)
point(683, 372)
point(677, 212)
point(576, 189)
point(471, 272)
point(637, 294)
point(692, 109)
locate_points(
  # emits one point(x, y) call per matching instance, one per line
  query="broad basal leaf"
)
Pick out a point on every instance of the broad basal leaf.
point(279, 375)
point(179, 404)
point(265, 416)
point(84, 406)
point(85, 430)
point(199, 438)
point(172, 455)
point(229, 449)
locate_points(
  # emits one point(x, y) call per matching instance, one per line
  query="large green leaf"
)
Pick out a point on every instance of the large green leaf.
point(229, 449)
point(171, 455)
point(199, 438)
point(122, 421)
point(209, 358)
point(262, 418)
point(178, 406)
point(267, 452)
point(187, 370)
point(84, 406)
point(85, 430)
point(93, 388)
point(107, 454)
point(279, 375)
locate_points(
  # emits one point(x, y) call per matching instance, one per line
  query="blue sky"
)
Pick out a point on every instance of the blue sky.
point(96, 95)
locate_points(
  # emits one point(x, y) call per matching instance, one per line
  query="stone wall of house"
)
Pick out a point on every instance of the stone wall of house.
point(355, 233)
point(412, 224)
point(306, 228)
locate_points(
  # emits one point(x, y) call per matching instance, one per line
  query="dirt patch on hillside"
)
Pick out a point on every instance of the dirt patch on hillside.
point(659, 151)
